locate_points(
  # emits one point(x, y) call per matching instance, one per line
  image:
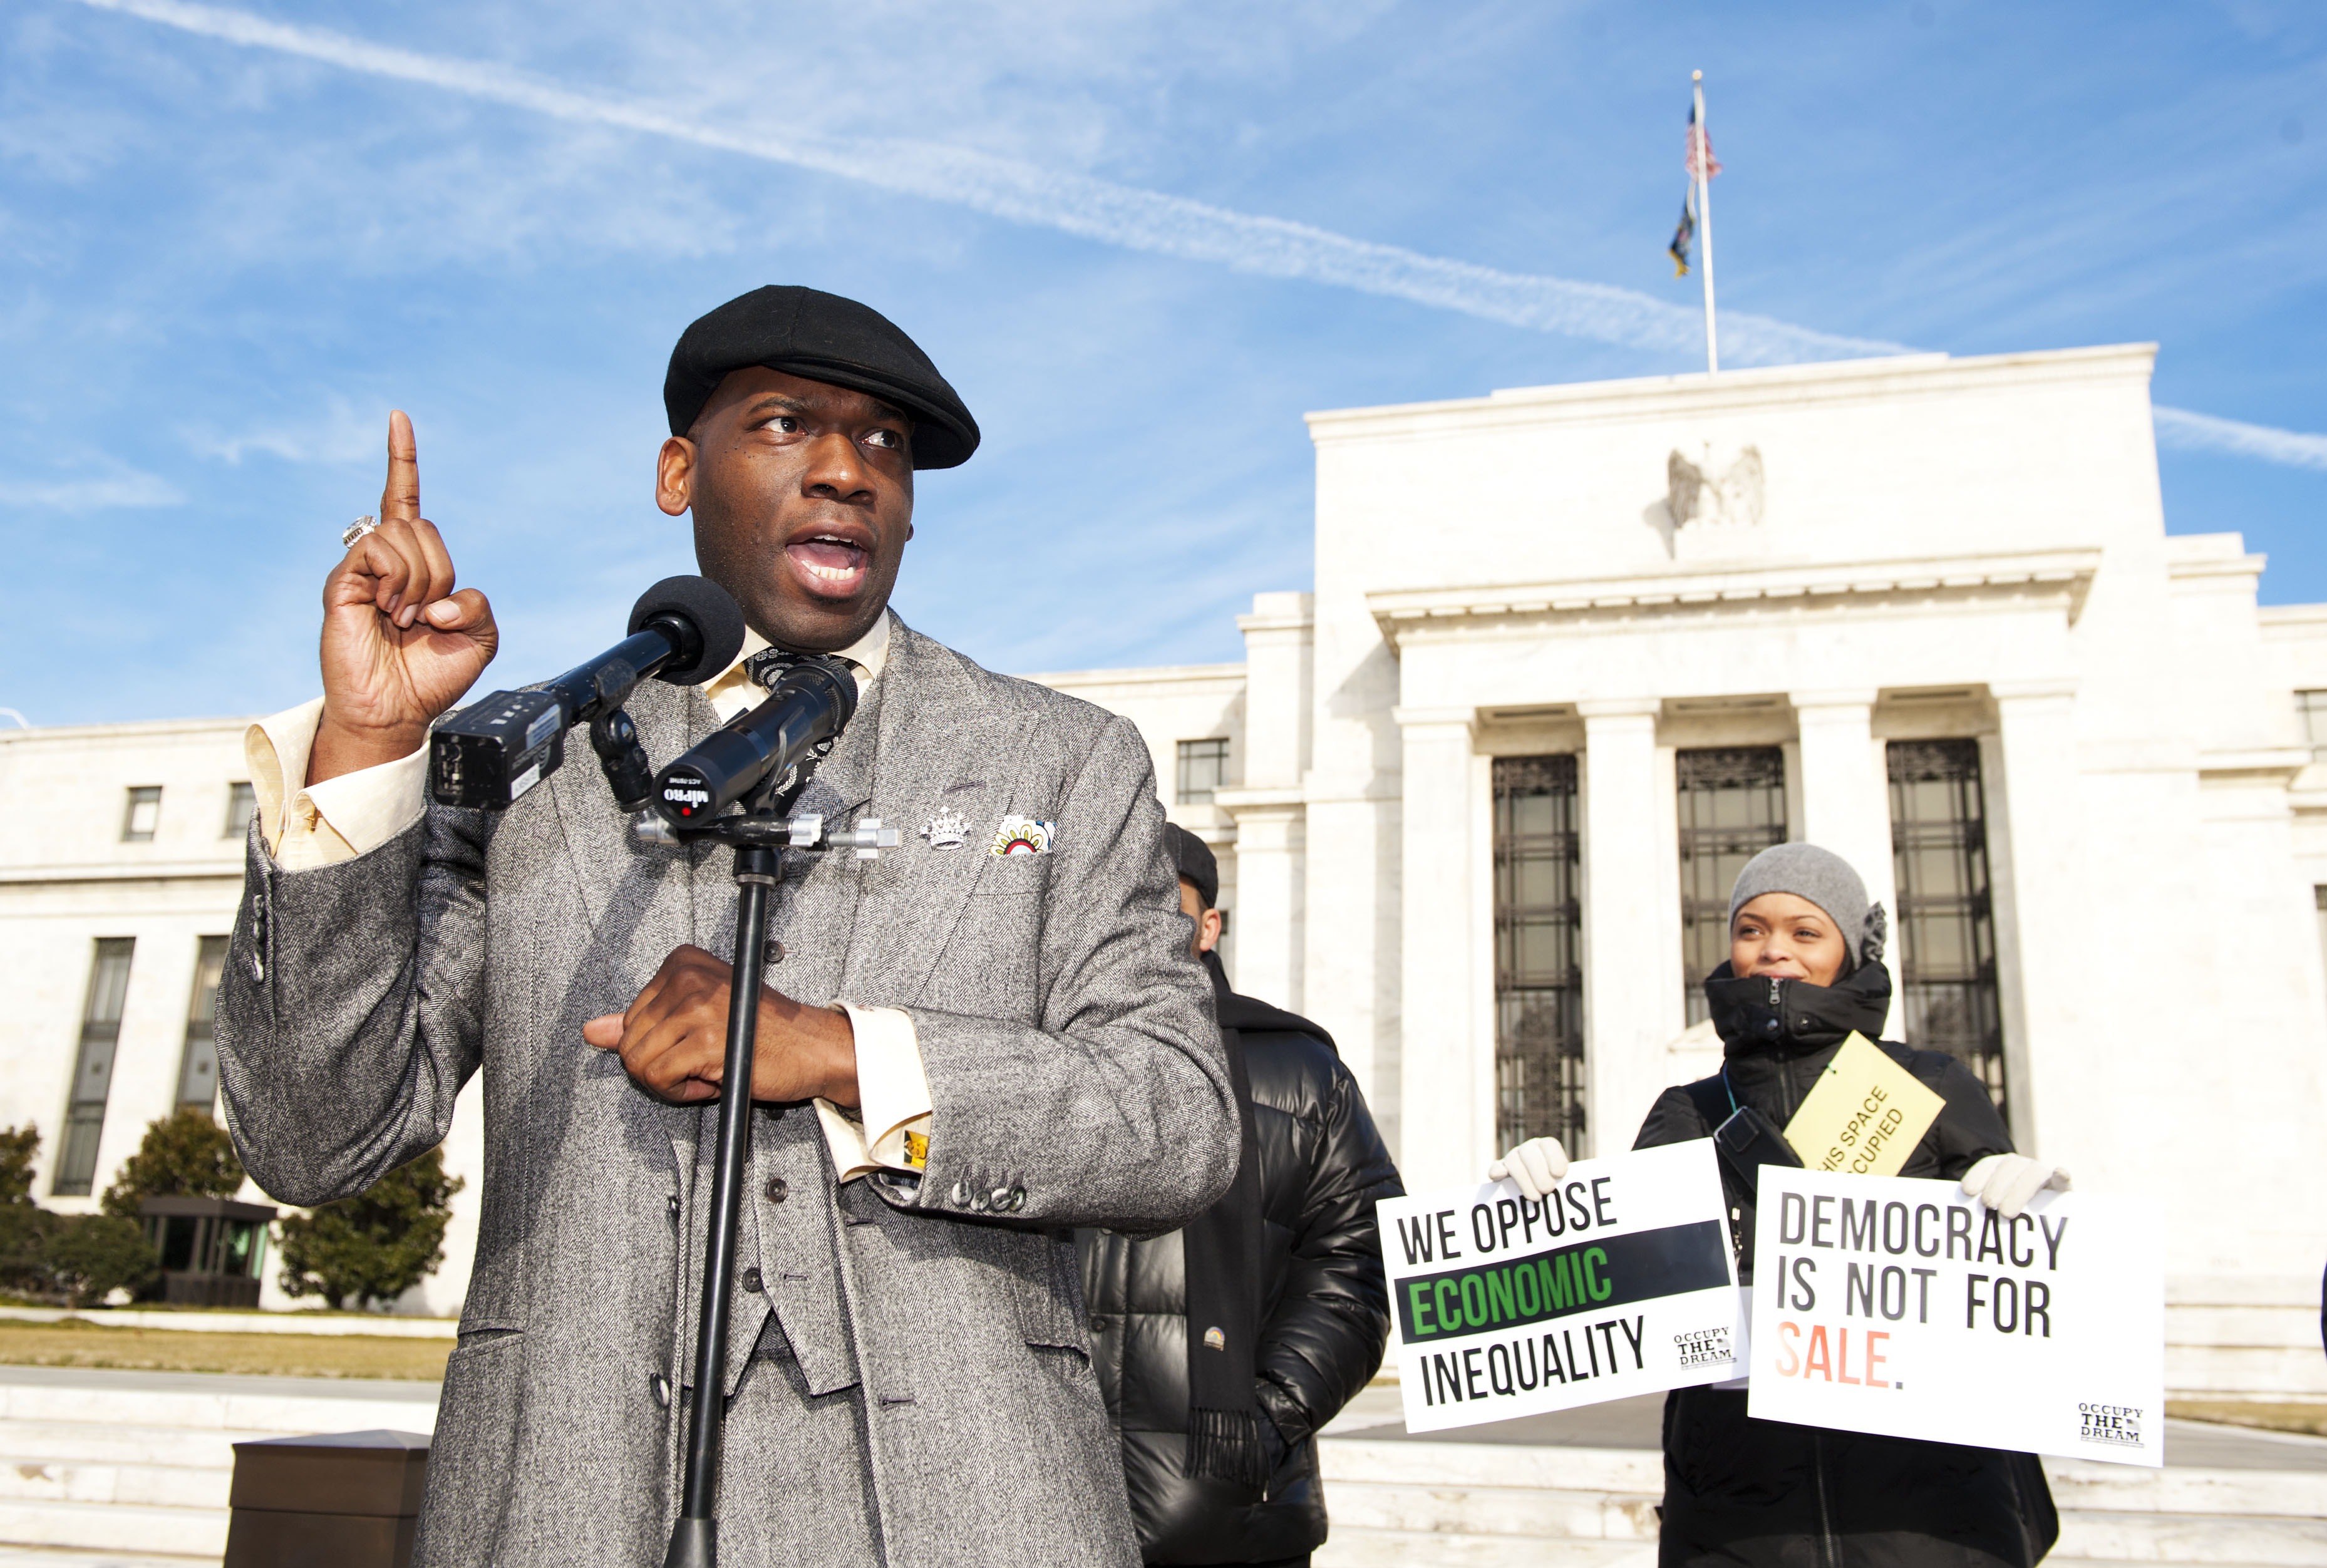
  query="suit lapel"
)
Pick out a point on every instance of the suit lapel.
point(950, 737)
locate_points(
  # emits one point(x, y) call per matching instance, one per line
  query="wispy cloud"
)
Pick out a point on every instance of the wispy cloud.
point(1078, 204)
point(2206, 433)
point(90, 495)
point(1111, 213)
point(338, 434)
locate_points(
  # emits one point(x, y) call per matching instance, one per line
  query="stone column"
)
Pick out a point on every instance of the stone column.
point(1846, 799)
point(1629, 960)
point(1271, 830)
point(1447, 1050)
point(2033, 850)
point(1268, 805)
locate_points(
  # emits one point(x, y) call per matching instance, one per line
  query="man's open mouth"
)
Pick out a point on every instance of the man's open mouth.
point(830, 563)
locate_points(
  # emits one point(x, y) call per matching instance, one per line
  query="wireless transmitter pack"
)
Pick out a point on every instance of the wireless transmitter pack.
point(683, 629)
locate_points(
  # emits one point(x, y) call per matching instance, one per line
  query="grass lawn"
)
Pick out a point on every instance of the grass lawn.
point(74, 1343)
point(2308, 1419)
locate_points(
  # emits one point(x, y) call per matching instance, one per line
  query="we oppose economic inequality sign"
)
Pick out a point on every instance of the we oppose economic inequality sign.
point(1904, 1308)
point(1620, 1282)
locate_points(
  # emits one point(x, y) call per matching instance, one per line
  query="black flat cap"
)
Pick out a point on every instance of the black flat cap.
point(1192, 857)
point(805, 332)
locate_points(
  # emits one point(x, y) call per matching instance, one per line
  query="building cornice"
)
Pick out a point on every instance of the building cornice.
point(1224, 676)
point(81, 734)
point(1279, 799)
point(2063, 577)
point(2291, 619)
point(178, 871)
point(2243, 566)
point(2278, 765)
point(1696, 394)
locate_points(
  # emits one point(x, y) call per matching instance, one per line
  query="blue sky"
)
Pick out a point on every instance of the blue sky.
point(232, 238)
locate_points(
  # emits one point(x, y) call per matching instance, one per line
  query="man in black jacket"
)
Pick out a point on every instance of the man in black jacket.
point(1221, 1347)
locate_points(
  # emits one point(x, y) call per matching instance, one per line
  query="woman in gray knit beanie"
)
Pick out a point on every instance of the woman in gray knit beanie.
point(1804, 975)
point(1821, 878)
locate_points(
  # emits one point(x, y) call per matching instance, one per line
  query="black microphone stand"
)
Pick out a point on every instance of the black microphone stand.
point(758, 834)
point(695, 1538)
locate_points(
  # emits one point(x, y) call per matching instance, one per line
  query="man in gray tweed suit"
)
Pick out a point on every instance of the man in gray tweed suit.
point(976, 1043)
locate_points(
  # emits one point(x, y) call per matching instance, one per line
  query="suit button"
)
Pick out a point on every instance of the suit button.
point(752, 1281)
point(1017, 1199)
point(671, 1203)
point(777, 1189)
point(660, 1386)
point(1000, 1198)
point(960, 1195)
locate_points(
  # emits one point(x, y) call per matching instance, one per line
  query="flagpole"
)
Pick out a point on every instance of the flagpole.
point(1701, 155)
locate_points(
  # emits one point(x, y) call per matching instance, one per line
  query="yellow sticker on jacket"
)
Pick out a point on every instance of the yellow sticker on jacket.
point(917, 1151)
point(1864, 1115)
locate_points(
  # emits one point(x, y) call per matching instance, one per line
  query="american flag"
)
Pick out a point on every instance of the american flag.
point(1700, 151)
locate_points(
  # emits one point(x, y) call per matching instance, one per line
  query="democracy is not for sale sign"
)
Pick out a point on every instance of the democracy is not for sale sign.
point(1890, 1305)
point(1620, 1282)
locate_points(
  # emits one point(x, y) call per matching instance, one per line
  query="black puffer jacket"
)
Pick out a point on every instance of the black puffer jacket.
point(1741, 1491)
point(1325, 1308)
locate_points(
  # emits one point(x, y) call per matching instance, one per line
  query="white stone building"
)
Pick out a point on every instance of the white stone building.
point(1573, 654)
point(120, 870)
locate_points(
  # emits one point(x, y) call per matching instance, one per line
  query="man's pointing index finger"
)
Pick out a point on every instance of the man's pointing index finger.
point(399, 498)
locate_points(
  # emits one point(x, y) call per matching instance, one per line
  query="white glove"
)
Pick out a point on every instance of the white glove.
point(1534, 1166)
point(2005, 1183)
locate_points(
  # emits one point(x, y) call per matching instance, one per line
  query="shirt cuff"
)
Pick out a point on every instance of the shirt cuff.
point(891, 1129)
point(335, 820)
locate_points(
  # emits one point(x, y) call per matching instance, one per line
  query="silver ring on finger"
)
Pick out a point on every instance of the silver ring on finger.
point(365, 524)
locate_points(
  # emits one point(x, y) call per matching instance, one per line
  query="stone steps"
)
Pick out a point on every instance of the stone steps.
point(111, 1470)
point(195, 1532)
point(2216, 1538)
point(72, 1557)
point(1487, 1505)
point(90, 1443)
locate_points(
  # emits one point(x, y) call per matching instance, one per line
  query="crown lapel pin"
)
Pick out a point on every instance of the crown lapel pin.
point(946, 830)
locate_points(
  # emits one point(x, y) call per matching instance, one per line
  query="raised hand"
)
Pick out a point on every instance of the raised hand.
point(401, 647)
point(1537, 1165)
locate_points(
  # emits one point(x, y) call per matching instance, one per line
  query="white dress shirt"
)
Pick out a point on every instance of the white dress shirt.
point(307, 825)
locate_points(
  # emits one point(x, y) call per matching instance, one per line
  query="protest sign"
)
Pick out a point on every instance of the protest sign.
point(1902, 1307)
point(1620, 1282)
point(1864, 1115)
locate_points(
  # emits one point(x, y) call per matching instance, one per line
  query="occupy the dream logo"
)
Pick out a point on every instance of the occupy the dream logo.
point(1704, 1347)
point(2110, 1426)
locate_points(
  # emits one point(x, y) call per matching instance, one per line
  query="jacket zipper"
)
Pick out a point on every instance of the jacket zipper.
point(1785, 1063)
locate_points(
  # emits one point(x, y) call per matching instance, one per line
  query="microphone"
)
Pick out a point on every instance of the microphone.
point(683, 630)
point(808, 704)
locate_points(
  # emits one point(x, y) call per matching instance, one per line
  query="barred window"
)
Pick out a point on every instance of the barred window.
point(1946, 920)
point(1203, 769)
point(2319, 897)
point(143, 816)
point(2312, 707)
point(242, 803)
point(198, 1070)
point(1538, 961)
point(1733, 807)
point(92, 1079)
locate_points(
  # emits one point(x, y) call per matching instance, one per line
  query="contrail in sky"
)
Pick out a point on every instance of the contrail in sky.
point(1151, 222)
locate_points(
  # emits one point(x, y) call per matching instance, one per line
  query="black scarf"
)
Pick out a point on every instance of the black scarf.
point(1221, 1268)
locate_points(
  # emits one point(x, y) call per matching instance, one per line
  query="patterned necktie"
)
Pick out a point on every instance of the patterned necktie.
point(770, 663)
